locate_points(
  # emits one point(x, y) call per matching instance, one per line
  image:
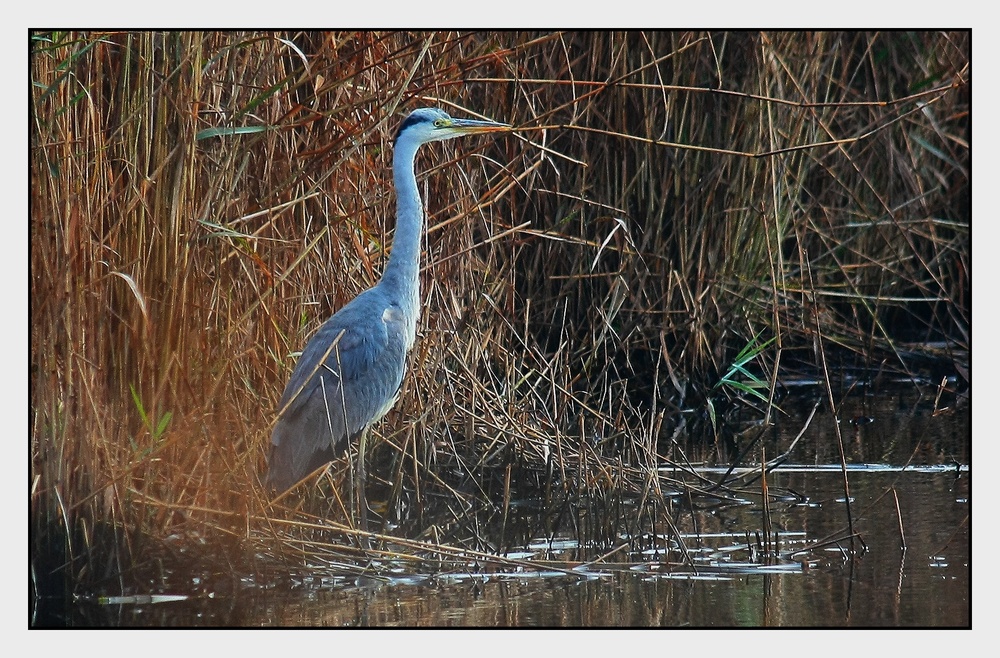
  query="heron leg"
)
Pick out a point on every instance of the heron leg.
point(359, 486)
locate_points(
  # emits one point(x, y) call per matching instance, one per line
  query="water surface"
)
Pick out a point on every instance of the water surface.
point(909, 567)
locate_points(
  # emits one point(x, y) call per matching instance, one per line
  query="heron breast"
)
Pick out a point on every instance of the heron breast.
point(394, 318)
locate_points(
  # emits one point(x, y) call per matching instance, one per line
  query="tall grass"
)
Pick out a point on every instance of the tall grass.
point(201, 202)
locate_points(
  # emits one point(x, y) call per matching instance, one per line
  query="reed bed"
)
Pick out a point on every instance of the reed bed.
point(202, 201)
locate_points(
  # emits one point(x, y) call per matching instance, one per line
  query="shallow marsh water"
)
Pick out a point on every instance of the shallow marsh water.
point(903, 456)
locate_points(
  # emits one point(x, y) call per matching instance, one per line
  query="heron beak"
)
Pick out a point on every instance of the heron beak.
point(473, 126)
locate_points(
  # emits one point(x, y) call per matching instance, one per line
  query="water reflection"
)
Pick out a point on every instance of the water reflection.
point(909, 485)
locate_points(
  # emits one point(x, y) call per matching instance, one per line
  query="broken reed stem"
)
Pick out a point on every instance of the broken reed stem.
point(820, 351)
point(899, 520)
point(766, 505)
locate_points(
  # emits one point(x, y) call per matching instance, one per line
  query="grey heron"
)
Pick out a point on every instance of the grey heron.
point(350, 372)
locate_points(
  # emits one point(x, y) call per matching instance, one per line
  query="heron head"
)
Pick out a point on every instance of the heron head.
point(429, 124)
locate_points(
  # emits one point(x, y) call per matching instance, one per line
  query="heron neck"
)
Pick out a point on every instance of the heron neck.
point(402, 273)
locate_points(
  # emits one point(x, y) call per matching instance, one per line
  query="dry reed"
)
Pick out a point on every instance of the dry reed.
point(201, 202)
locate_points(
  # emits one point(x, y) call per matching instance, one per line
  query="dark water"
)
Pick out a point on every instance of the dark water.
point(907, 457)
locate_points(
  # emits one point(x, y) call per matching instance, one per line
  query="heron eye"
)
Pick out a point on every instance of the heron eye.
point(438, 123)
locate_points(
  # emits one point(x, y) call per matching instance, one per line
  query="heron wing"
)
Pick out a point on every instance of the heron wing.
point(346, 377)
